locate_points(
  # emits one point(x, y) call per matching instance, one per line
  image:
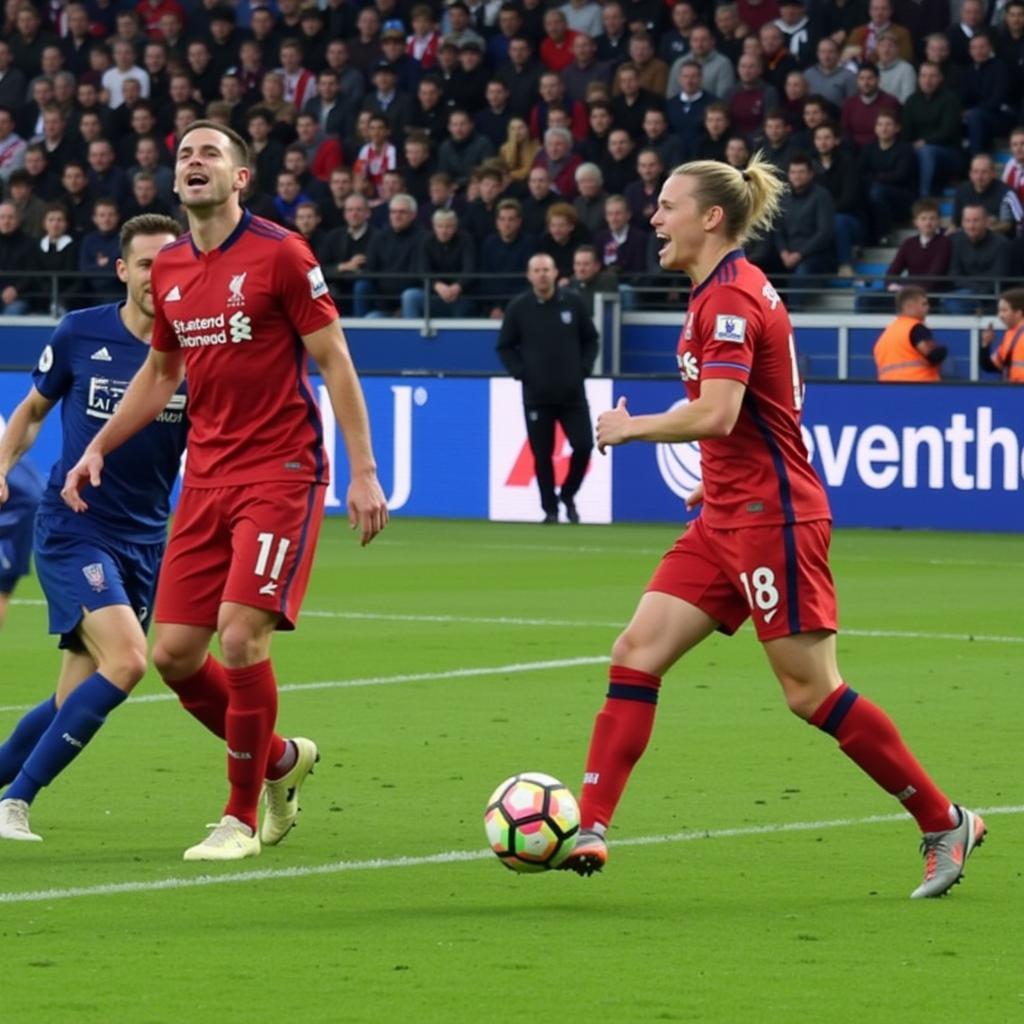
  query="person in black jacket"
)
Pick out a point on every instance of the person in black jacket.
point(888, 170)
point(343, 250)
point(549, 343)
point(15, 249)
point(835, 168)
point(56, 252)
point(393, 250)
point(449, 256)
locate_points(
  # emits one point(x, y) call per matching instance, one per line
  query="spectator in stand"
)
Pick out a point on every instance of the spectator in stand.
point(936, 50)
point(478, 219)
point(776, 142)
point(205, 74)
point(539, 199)
point(642, 195)
point(985, 90)
point(613, 42)
point(710, 145)
point(1013, 170)
point(364, 48)
point(839, 18)
point(59, 145)
point(521, 73)
point(344, 248)
point(686, 111)
point(328, 107)
point(351, 82)
point(449, 256)
point(323, 153)
point(755, 13)
point(443, 194)
point(657, 137)
point(267, 153)
point(631, 102)
point(861, 111)
point(1009, 44)
point(423, 42)
point(622, 245)
point(29, 206)
point(717, 73)
point(556, 46)
point(589, 278)
point(295, 160)
point(77, 197)
point(145, 197)
point(652, 72)
point(224, 40)
point(589, 204)
point(862, 43)
point(492, 120)
point(983, 188)
point(124, 67)
point(272, 99)
point(15, 255)
point(584, 69)
point(960, 34)
point(13, 84)
point(341, 186)
point(12, 145)
point(100, 251)
point(287, 197)
point(44, 184)
point(457, 26)
point(600, 120)
point(836, 169)
point(750, 97)
point(796, 28)
point(429, 113)
point(888, 171)
point(979, 261)
point(729, 31)
point(932, 125)
point(896, 77)
point(29, 39)
point(906, 351)
point(378, 155)
point(563, 235)
point(675, 41)
point(552, 95)
point(619, 164)
point(737, 153)
point(417, 166)
point(519, 150)
point(464, 149)
point(469, 80)
point(55, 253)
point(924, 258)
point(796, 96)
point(1006, 357)
point(805, 230)
point(406, 69)
point(776, 59)
point(583, 16)
point(386, 99)
point(106, 180)
point(393, 250)
point(505, 252)
point(558, 159)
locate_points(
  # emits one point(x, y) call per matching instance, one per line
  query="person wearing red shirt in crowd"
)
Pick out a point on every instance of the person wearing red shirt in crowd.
point(422, 44)
point(751, 97)
point(552, 94)
point(759, 548)
point(299, 82)
point(378, 155)
point(860, 112)
point(556, 46)
point(241, 306)
point(560, 161)
point(323, 152)
point(151, 11)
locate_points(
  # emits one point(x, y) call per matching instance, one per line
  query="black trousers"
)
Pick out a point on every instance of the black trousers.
point(540, 429)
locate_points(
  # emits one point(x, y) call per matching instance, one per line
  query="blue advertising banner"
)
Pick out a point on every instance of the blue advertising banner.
point(908, 456)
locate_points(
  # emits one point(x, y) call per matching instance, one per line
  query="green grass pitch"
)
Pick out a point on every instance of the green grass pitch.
point(429, 651)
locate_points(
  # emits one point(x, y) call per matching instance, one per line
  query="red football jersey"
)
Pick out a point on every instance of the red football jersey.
point(239, 313)
point(737, 328)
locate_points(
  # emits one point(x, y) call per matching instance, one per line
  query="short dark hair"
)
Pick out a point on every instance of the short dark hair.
point(926, 205)
point(591, 250)
point(510, 204)
point(800, 160)
point(911, 293)
point(145, 224)
point(19, 177)
point(1014, 297)
point(238, 145)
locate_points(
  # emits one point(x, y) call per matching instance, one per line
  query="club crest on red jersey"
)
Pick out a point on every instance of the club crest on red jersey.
point(236, 297)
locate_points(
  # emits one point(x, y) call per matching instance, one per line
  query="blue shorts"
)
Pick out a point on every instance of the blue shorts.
point(87, 573)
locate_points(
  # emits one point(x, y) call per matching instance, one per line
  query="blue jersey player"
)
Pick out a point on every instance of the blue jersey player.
point(17, 516)
point(98, 570)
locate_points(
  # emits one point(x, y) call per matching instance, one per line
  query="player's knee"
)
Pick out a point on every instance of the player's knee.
point(125, 668)
point(801, 698)
point(176, 661)
point(240, 645)
point(626, 647)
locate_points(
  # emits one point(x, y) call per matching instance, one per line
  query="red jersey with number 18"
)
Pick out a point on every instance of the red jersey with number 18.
point(737, 328)
point(239, 314)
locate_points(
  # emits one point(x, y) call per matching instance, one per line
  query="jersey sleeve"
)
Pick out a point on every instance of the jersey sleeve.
point(302, 288)
point(163, 338)
point(52, 375)
point(730, 323)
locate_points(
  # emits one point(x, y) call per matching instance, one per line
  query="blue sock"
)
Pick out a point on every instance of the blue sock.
point(75, 724)
point(25, 736)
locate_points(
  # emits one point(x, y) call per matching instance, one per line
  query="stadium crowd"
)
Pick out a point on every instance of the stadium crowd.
point(404, 138)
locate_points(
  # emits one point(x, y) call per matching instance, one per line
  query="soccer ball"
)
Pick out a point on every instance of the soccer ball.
point(532, 822)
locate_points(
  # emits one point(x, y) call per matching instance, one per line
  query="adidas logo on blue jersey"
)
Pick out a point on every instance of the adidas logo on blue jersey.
point(101, 355)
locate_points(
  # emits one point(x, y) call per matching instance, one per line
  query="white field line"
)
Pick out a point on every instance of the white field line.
point(450, 857)
point(407, 677)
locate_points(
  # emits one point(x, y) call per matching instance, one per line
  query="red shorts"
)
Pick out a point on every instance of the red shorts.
point(252, 545)
point(779, 574)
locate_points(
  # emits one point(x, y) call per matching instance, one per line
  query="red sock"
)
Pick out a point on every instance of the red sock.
point(205, 697)
point(868, 736)
point(252, 711)
point(620, 736)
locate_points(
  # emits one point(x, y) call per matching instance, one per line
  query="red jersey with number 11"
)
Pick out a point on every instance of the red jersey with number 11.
point(737, 328)
point(239, 314)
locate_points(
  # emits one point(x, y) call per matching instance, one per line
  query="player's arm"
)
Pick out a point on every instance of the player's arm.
point(367, 506)
point(21, 433)
point(714, 414)
point(144, 399)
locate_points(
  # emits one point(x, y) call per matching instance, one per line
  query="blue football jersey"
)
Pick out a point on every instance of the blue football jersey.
point(88, 364)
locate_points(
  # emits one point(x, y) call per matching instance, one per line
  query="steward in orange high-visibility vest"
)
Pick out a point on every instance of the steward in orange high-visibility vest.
point(906, 349)
point(1007, 356)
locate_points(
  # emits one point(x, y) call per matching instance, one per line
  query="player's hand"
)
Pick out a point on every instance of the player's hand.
point(696, 497)
point(613, 426)
point(367, 507)
point(88, 470)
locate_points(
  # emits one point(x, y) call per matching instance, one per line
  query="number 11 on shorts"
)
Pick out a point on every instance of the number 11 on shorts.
point(266, 543)
point(761, 591)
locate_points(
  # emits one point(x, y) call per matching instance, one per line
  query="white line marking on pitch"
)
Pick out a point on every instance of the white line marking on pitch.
point(451, 857)
point(407, 677)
